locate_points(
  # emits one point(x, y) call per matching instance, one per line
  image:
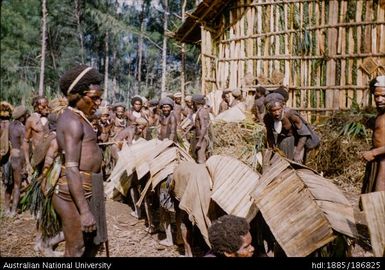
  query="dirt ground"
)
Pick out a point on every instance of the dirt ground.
point(127, 235)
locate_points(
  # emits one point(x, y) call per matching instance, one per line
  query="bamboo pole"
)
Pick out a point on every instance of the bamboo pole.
point(318, 51)
point(287, 62)
point(363, 96)
point(302, 68)
point(241, 43)
point(249, 42)
point(291, 62)
point(277, 41)
point(341, 50)
point(331, 65)
point(361, 77)
point(203, 60)
point(381, 30)
point(233, 66)
point(258, 40)
point(267, 41)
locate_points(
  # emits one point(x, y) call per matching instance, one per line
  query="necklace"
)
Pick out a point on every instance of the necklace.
point(82, 115)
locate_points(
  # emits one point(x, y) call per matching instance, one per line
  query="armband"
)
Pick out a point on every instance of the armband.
point(71, 164)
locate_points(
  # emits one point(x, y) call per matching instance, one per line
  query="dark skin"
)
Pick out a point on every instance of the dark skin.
point(224, 105)
point(128, 134)
point(119, 114)
point(35, 129)
point(277, 112)
point(259, 107)
point(168, 124)
point(202, 122)
point(178, 109)
point(79, 142)
point(105, 125)
point(378, 139)
point(16, 136)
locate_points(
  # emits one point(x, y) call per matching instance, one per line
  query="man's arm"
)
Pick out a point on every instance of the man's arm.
point(25, 146)
point(204, 119)
point(269, 132)
point(172, 127)
point(373, 153)
point(299, 148)
point(72, 148)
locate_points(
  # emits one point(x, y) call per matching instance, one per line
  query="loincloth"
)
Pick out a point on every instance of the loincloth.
point(165, 199)
point(17, 160)
point(371, 171)
point(92, 184)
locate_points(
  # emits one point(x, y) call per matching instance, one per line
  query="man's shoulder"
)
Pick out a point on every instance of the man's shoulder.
point(68, 119)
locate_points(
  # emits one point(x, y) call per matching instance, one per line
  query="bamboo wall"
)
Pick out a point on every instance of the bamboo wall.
point(319, 46)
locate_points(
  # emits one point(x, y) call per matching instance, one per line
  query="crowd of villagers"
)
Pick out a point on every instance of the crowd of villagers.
point(59, 155)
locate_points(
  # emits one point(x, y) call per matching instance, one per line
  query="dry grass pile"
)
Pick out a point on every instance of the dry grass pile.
point(339, 155)
point(239, 140)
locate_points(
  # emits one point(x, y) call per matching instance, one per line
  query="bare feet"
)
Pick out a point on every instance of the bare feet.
point(151, 229)
point(166, 242)
point(134, 214)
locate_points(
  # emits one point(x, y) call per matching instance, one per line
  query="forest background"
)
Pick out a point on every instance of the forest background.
point(126, 40)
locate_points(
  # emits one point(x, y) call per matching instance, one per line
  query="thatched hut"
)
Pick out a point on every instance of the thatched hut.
point(324, 52)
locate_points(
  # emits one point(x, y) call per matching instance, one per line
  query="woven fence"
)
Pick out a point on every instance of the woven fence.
point(324, 52)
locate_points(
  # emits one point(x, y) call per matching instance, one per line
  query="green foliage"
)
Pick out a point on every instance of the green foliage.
point(21, 46)
point(20, 23)
point(355, 126)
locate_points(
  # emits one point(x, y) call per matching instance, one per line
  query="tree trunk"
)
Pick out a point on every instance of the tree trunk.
point(106, 69)
point(140, 46)
point(183, 55)
point(43, 45)
point(79, 28)
point(164, 49)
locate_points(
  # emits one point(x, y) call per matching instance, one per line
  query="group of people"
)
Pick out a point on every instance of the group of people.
point(84, 136)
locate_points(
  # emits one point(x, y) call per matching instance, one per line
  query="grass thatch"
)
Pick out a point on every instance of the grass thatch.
point(239, 140)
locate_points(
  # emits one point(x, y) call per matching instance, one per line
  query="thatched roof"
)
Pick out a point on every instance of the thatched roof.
point(301, 208)
point(205, 13)
point(374, 208)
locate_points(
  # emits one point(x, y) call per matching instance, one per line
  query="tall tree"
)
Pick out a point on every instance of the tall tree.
point(164, 48)
point(106, 66)
point(43, 45)
point(183, 55)
point(79, 28)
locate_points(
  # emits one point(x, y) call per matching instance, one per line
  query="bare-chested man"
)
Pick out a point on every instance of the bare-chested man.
point(153, 120)
point(238, 98)
point(136, 109)
point(178, 107)
point(16, 137)
point(104, 124)
point(36, 129)
point(167, 130)
point(286, 130)
point(258, 108)
point(225, 103)
point(130, 135)
point(5, 116)
point(375, 170)
point(119, 121)
point(202, 122)
point(79, 195)
point(167, 120)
